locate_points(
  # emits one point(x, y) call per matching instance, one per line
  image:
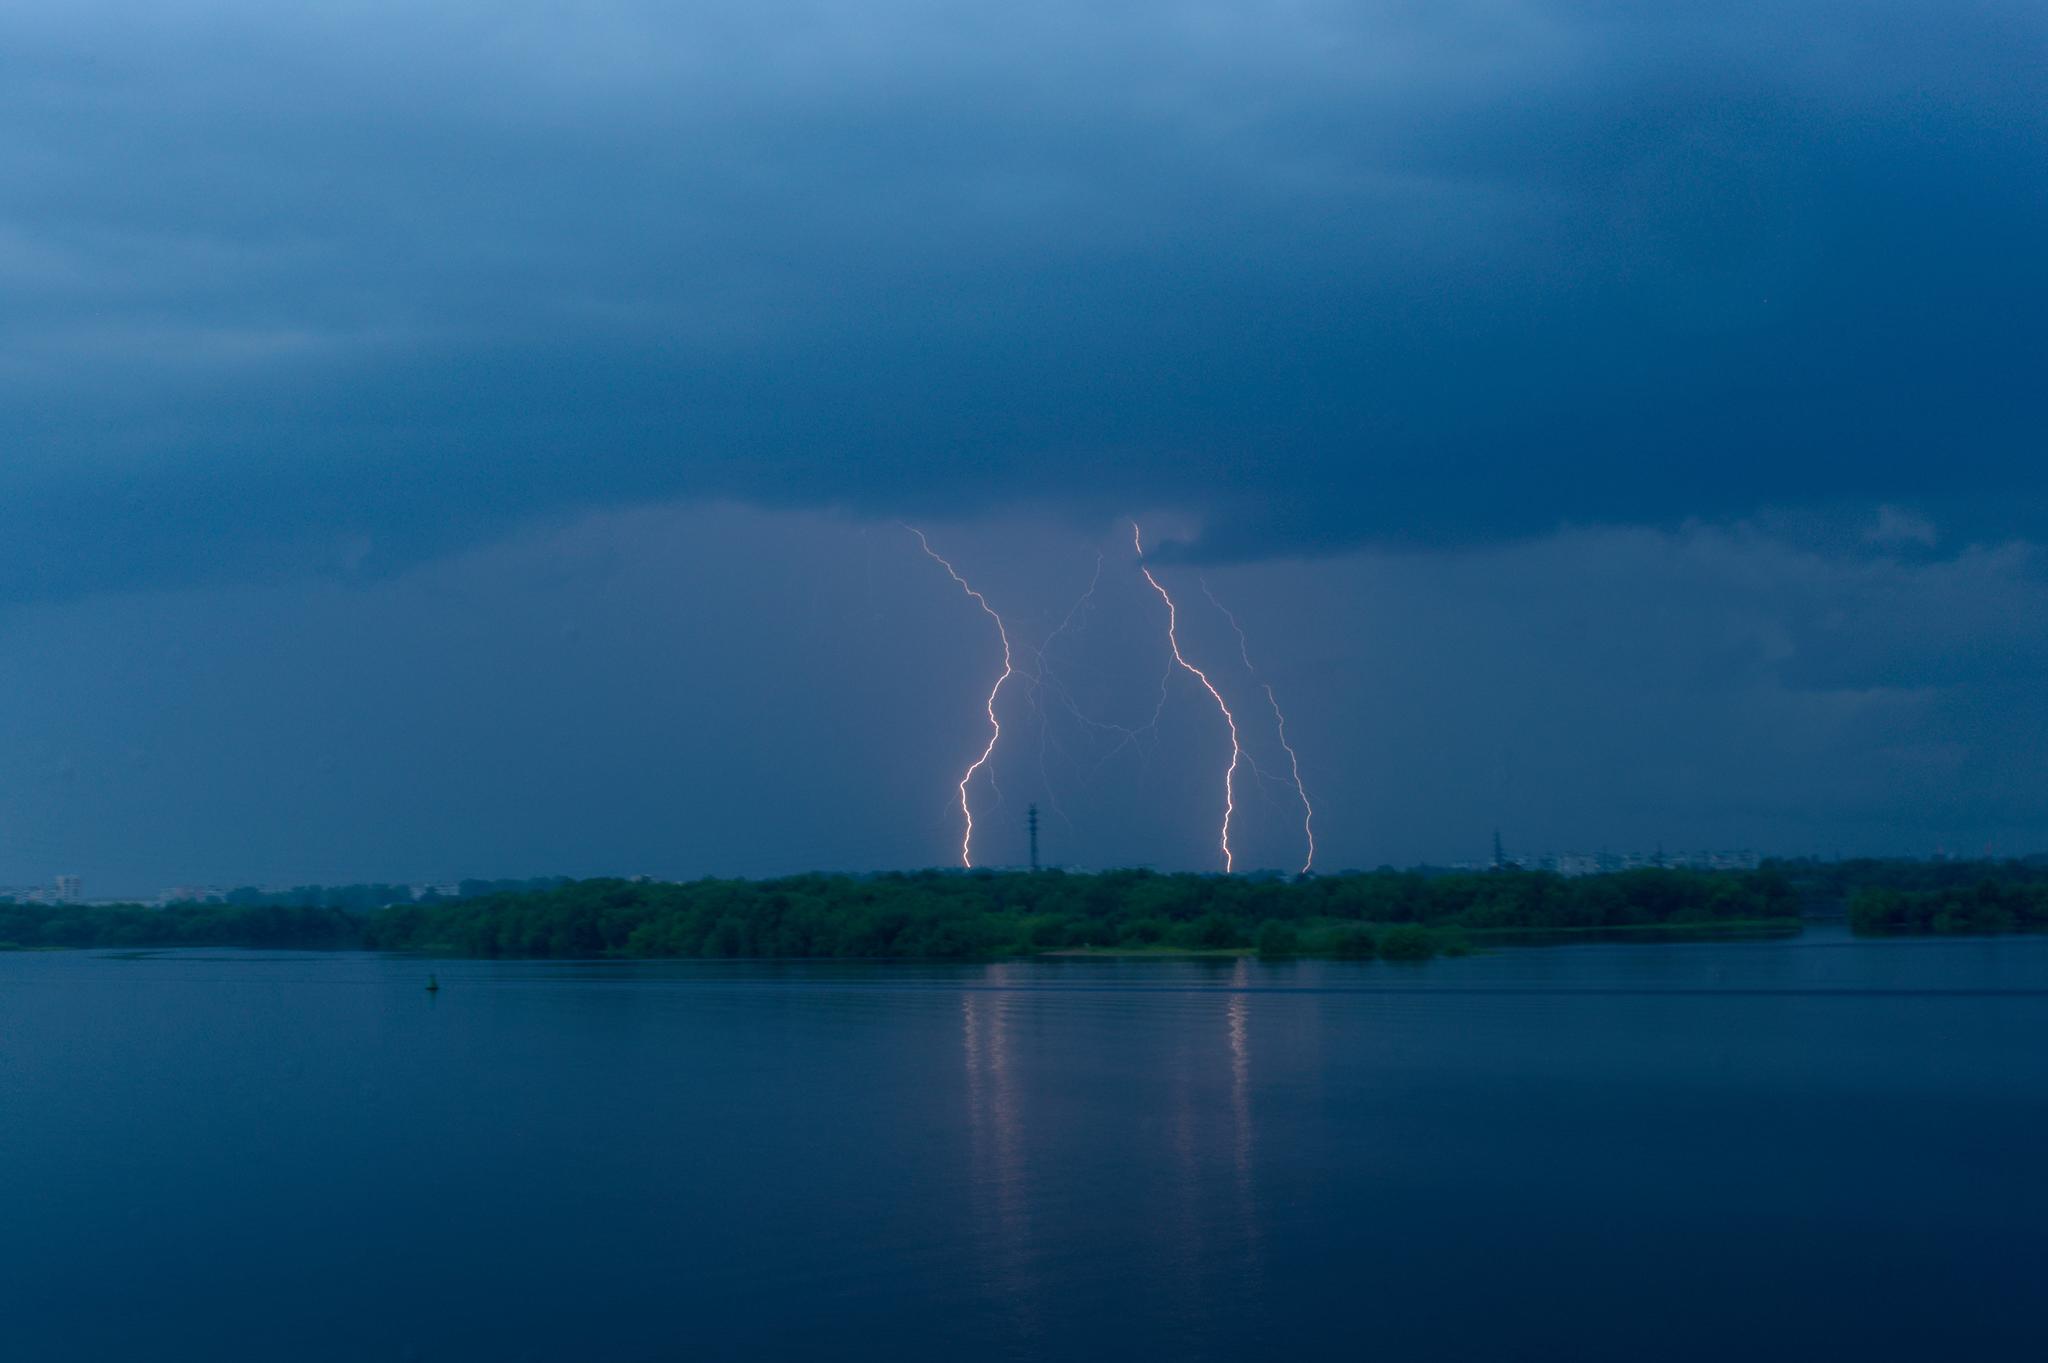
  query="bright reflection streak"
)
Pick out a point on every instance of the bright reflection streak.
point(1239, 1014)
point(1000, 1185)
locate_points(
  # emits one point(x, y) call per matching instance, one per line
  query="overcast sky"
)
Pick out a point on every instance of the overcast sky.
point(451, 439)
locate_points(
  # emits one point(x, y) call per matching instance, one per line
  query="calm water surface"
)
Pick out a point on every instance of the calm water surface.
point(1776, 1150)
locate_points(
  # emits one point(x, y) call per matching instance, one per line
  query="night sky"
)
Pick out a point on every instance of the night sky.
point(444, 439)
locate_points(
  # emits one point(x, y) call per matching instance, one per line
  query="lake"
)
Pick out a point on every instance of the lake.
point(1793, 1149)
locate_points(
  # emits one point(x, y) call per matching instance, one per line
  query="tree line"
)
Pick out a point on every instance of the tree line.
point(29, 926)
point(369, 895)
point(940, 914)
point(1982, 907)
point(1828, 886)
point(984, 914)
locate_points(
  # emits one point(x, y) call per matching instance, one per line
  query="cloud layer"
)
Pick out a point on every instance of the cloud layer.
point(341, 289)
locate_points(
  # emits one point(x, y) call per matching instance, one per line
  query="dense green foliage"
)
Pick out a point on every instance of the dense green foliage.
point(374, 895)
point(1912, 896)
point(1985, 906)
point(305, 916)
point(1397, 915)
point(181, 925)
point(1391, 915)
point(1830, 885)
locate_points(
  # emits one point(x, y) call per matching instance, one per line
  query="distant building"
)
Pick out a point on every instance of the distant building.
point(191, 894)
point(67, 890)
point(1606, 863)
point(1602, 863)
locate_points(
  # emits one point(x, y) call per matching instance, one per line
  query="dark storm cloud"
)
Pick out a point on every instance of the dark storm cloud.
point(291, 291)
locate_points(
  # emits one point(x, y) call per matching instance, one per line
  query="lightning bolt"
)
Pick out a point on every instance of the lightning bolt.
point(1044, 678)
point(1173, 642)
point(995, 726)
point(1041, 678)
point(1308, 810)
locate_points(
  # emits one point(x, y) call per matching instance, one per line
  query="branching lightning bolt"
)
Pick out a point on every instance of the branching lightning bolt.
point(1042, 677)
point(1173, 643)
point(995, 726)
point(1308, 810)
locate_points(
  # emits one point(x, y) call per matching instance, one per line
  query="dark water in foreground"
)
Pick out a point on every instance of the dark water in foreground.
point(1779, 1150)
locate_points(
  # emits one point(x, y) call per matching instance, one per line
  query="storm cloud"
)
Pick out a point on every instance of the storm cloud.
point(298, 290)
point(457, 438)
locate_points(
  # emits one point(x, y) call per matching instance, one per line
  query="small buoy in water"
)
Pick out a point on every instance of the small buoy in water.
point(433, 985)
